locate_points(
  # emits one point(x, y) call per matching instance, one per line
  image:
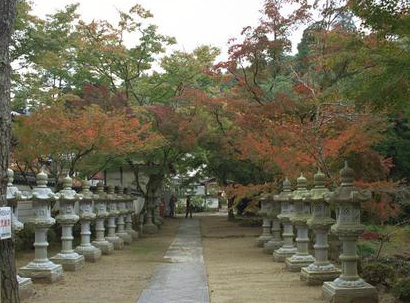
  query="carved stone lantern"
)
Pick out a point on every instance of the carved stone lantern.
point(276, 240)
point(320, 221)
point(90, 252)
point(129, 204)
point(68, 258)
point(100, 210)
point(266, 223)
point(348, 287)
point(302, 257)
point(139, 205)
point(149, 227)
point(158, 221)
point(286, 211)
point(113, 213)
point(123, 211)
point(13, 196)
point(41, 269)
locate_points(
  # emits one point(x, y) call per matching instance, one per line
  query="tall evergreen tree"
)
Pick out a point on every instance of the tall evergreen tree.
point(9, 285)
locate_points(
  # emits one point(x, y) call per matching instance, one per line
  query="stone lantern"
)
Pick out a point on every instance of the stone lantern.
point(41, 269)
point(286, 211)
point(13, 196)
point(149, 227)
point(276, 241)
point(68, 258)
point(90, 252)
point(130, 210)
point(348, 287)
point(158, 221)
point(113, 213)
point(139, 205)
point(264, 212)
point(100, 210)
point(320, 221)
point(302, 257)
point(123, 211)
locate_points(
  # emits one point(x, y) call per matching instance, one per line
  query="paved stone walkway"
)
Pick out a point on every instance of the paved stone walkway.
point(183, 279)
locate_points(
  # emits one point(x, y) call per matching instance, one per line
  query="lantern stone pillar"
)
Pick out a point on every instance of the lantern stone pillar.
point(158, 221)
point(266, 222)
point(302, 257)
point(288, 247)
point(321, 270)
point(129, 204)
point(113, 213)
point(90, 252)
point(41, 269)
point(348, 287)
point(140, 209)
point(100, 210)
point(68, 258)
point(123, 211)
point(157, 217)
point(276, 241)
point(149, 227)
point(13, 196)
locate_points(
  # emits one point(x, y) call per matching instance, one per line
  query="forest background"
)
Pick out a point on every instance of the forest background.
point(96, 102)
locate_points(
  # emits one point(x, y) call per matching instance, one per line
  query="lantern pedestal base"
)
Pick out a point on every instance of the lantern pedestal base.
point(364, 294)
point(42, 272)
point(150, 229)
point(25, 287)
point(116, 241)
point(317, 277)
point(270, 246)
point(282, 253)
point(134, 234)
point(70, 262)
point(158, 220)
point(125, 237)
point(90, 252)
point(260, 242)
point(296, 262)
point(106, 247)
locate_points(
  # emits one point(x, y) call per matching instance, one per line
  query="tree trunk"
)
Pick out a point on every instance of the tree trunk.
point(153, 185)
point(9, 285)
point(231, 215)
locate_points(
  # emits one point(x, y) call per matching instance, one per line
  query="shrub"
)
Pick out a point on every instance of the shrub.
point(365, 250)
point(25, 238)
point(54, 236)
point(377, 273)
point(370, 235)
point(401, 267)
point(402, 289)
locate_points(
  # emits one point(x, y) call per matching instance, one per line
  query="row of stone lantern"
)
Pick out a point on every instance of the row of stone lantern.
point(118, 208)
point(310, 209)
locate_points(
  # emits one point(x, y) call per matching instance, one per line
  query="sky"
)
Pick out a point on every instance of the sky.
point(191, 22)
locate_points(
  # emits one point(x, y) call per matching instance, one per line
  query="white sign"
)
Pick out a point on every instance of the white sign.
point(5, 223)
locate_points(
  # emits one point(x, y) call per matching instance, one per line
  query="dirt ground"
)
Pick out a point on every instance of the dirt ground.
point(237, 270)
point(119, 277)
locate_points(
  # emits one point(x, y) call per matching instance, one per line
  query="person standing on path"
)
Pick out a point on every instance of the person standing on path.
point(172, 203)
point(188, 207)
